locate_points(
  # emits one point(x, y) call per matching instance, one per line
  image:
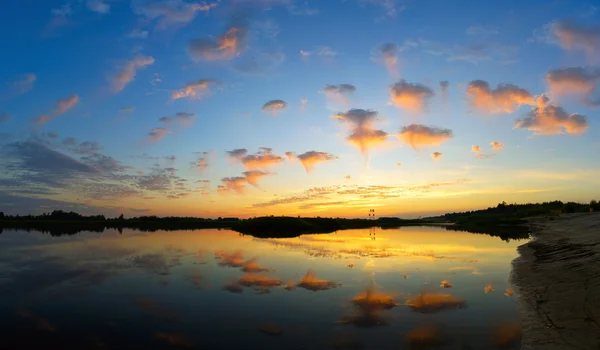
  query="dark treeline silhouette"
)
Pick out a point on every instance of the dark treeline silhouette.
point(507, 221)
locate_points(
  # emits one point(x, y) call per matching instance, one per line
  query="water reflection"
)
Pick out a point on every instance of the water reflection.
point(219, 290)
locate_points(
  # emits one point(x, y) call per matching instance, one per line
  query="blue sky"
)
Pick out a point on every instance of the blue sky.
point(117, 65)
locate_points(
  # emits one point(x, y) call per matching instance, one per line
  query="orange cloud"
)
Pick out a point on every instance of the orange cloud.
point(312, 158)
point(497, 145)
point(488, 289)
point(233, 184)
point(509, 292)
point(253, 266)
point(261, 160)
point(252, 176)
point(506, 98)
point(225, 47)
point(432, 303)
point(291, 156)
point(234, 259)
point(575, 81)
point(157, 134)
point(418, 135)
point(183, 118)
point(446, 284)
point(311, 282)
point(549, 119)
point(274, 106)
point(65, 104)
point(573, 36)
point(262, 281)
point(363, 135)
point(412, 97)
point(41, 120)
point(127, 74)
point(370, 305)
point(193, 90)
point(339, 94)
point(437, 155)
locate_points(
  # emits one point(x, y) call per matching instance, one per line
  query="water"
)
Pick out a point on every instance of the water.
point(368, 289)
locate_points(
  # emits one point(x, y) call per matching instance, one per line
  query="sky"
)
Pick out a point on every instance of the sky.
point(290, 107)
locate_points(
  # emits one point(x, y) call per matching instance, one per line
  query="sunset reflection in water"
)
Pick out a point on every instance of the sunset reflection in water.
point(412, 287)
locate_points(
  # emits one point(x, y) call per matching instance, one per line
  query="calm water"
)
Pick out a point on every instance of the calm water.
point(355, 289)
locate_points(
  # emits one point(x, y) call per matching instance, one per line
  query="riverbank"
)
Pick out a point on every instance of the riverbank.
point(557, 278)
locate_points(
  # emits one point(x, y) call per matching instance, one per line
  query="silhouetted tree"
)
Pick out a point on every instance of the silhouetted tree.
point(121, 217)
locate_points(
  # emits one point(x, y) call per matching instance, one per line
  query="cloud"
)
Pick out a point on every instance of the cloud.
point(418, 135)
point(41, 120)
point(479, 153)
point(98, 6)
point(67, 103)
point(446, 284)
point(509, 292)
point(573, 36)
point(549, 119)
point(482, 30)
point(262, 159)
point(426, 337)
point(238, 154)
point(137, 33)
point(312, 158)
point(262, 282)
point(291, 156)
point(363, 135)
point(194, 90)
point(234, 259)
point(339, 94)
point(233, 184)
point(252, 176)
point(274, 106)
point(324, 52)
point(497, 145)
point(226, 47)
point(157, 134)
point(433, 303)
point(311, 282)
point(25, 83)
point(437, 155)
point(127, 74)
point(579, 81)
point(506, 98)
point(127, 108)
point(370, 304)
point(444, 84)
point(390, 7)
point(389, 57)
point(253, 266)
point(182, 118)
point(169, 13)
point(303, 102)
point(488, 289)
point(86, 147)
point(4, 117)
point(412, 97)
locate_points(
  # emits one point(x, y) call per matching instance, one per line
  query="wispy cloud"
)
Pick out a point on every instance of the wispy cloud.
point(388, 54)
point(194, 90)
point(24, 83)
point(261, 160)
point(128, 71)
point(226, 47)
point(409, 96)
point(99, 6)
point(573, 36)
point(497, 145)
point(417, 135)
point(62, 106)
point(437, 155)
point(183, 119)
point(157, 134)
point(169, 13)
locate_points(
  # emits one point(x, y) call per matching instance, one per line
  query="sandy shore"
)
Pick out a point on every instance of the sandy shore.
point(557, 278)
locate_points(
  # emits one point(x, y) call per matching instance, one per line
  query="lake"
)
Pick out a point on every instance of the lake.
point(406, 288)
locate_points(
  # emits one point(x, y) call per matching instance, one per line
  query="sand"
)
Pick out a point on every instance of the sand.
point(557, 279)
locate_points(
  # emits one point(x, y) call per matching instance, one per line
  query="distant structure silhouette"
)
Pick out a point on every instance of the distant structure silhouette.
point(372, 229)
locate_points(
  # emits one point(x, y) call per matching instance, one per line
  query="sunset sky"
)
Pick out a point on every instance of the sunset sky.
point(293, 107)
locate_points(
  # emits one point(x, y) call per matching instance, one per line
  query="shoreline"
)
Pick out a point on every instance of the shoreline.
point(557, 279)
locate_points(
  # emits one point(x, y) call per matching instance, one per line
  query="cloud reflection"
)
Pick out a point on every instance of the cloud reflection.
point(311, 282)
point(432, 303)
